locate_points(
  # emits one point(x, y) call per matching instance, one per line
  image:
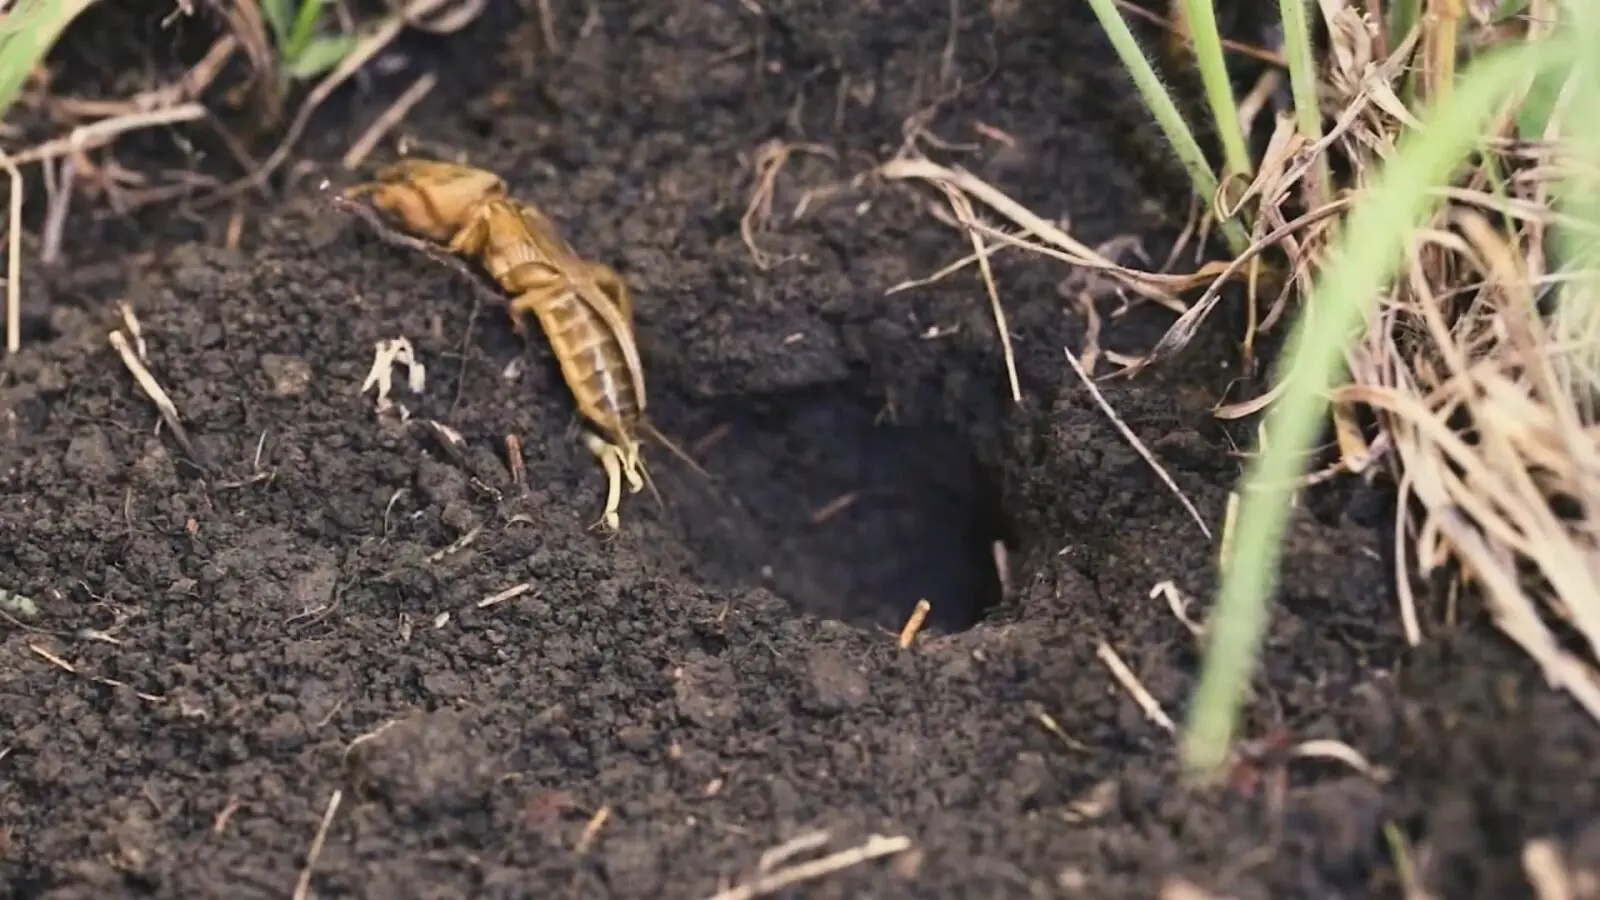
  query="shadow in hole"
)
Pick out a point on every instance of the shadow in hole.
point(37, 328)
point(846, 517)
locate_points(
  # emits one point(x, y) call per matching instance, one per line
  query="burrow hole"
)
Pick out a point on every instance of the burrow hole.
point(847, 516)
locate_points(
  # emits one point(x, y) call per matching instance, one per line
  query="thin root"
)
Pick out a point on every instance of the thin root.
point(770, 160)
point(964, 213)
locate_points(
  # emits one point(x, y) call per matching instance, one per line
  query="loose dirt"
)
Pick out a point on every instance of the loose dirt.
point(309, 605)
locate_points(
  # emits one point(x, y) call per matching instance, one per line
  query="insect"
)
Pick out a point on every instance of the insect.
point(584, 308)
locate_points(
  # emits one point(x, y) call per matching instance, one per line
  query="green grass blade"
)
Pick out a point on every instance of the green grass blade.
point(305, 24)
point(279, 19)
point(1403, 14)
point(1577, 317)
point(1303, 80)
point(1171, 122)
point(1367, 255)
point(320, 55)
point(26, 35)
point(1219, 89)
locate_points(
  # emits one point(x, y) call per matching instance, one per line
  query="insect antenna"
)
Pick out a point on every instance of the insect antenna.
point(655, 434)
point(651, 484)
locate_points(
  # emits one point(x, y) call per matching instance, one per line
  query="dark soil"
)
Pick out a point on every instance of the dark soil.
point(291, 614)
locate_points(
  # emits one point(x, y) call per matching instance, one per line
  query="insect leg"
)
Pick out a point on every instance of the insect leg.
point(632, 466)
point(536, 286)
point(614, 286)
point(473, 237)
point(611, 460)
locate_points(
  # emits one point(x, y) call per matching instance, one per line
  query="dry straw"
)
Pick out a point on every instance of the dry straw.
point(1417, 286)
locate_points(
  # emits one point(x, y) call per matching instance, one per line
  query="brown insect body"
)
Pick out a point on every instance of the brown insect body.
point(589, 329)
point(584, 308)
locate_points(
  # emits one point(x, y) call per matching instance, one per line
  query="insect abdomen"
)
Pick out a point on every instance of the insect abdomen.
point(591, 362)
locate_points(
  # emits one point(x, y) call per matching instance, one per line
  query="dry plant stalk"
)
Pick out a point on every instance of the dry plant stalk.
point(388, 120)
point(432, 16)
point(13, 259)
point(1135, 688)
point(914, 624)
point(302, 885)
point(1488, 423)
point(153, 390)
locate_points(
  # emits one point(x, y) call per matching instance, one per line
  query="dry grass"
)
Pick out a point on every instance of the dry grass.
point(1494, 451)
point(1483, 413)
point(1462, 387)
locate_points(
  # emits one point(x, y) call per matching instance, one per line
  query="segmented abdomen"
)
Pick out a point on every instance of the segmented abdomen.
point(591, 362)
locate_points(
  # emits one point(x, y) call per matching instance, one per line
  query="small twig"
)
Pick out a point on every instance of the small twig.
point(1049, 723)
point(1258, 53)
point(946, 271)
point(14, 264)
point(412, 15)
point(1182, 889)
point(458, 545)
point(1091, 333)
point(515, 462)
point(220, 823)
point(302, 887)
point(153, 390)
point(51, 658)
point(1002, 568)
point(55, 219)
point(372, 735)
point(235, 230)
point(1338, 751)
point(1546, 871)
point(1130, 683)
point(1179, 605)
point(833, 507)
point(98, 134)
point(130, 321)
point(509, 593)
point(547, 27)
point(963, 211)
point(390, 118)
point(1062, 246)
point(13, 274)
point(711, 439)
point(592, 830)
point(804, 842)
point(1137, 444)
point(914, 624)
point(768, 883)
point(190, 86)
